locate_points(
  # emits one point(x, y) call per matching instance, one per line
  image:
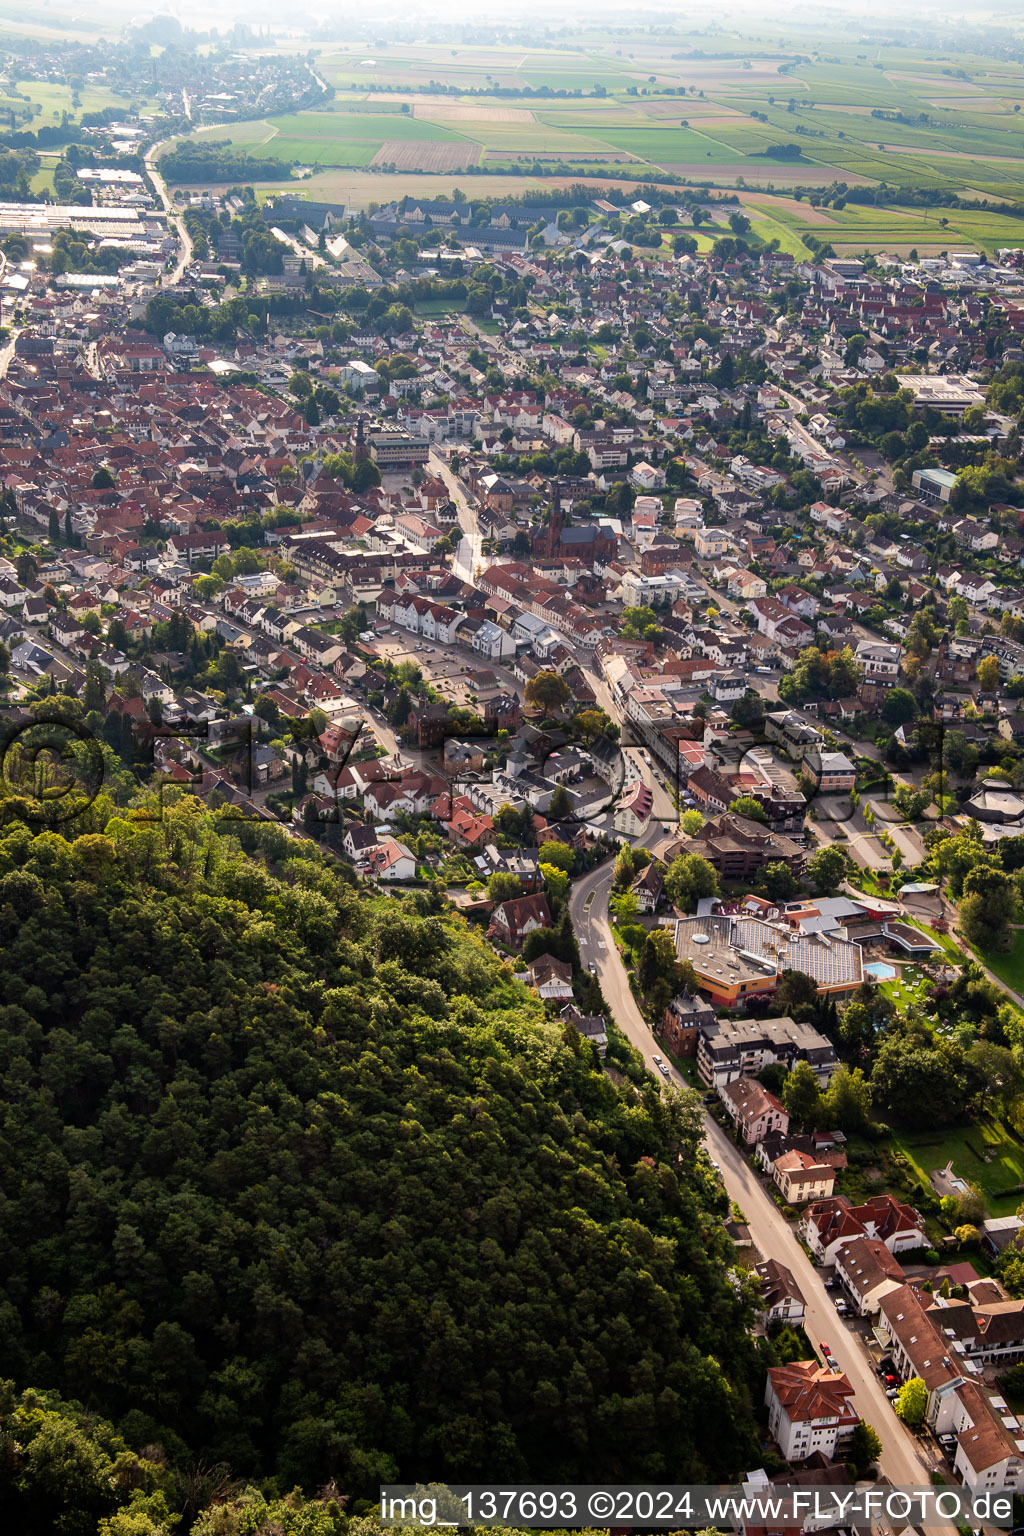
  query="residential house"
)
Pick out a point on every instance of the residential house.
point(988, 1456)
point(593, 1026)
point(680, 1023)
point(781, 1298)
point(728, 1048)
point(739, 847)
point(810, 1409)
point(755, 1110)
point(795, 736)
point(832, 772)
point(800, 1177)
point(390, 860)
point(647, 887)
point(358, 841)
point(633, 812)
point(551, 979)
point(868, 1271)
point(830, 1223)
point(513, 920)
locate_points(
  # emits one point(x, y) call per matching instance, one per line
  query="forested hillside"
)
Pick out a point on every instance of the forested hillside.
point(300, 1188)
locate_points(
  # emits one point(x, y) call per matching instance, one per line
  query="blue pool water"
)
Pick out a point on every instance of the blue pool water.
point(879, 971)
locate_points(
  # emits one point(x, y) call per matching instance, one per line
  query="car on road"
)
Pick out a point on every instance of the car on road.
point(892, 1393)
point(663, 1069)
point(824, 1349)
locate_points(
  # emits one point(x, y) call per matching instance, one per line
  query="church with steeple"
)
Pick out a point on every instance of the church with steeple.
point(587, 542)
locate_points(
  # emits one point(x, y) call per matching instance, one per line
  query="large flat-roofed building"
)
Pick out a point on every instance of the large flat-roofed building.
point(934, 484)
point(44, 219)
point(738, 957)
point(950, 393)
point(731, 1048)
point(393, 450)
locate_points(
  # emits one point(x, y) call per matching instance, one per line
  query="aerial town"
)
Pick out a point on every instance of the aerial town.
point(661, 613)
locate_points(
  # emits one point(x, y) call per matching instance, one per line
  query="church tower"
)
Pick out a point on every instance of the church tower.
point(554, 530)
point(360, 451)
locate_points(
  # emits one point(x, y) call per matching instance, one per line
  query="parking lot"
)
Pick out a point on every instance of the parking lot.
point(451, 669)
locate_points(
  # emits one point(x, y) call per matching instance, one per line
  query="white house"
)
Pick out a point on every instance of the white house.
point(810, 1409)
point(987, 1454)
point(781, 1298)
point(878, 660)
point(646, 477)
point(390, 860)
point(826, 1225)
point(493, 642)
point(868, 1271)
point(800, 1177)
point(633, 813)
point(750, 1105)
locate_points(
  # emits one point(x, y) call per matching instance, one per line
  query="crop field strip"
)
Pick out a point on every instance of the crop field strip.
point(408, 155)
point(969, 135)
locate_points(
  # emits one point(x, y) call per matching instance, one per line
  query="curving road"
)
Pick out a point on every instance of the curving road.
point(173, 218)
point(773, 1235)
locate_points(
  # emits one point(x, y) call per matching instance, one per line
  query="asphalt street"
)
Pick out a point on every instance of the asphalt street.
point(902, 1461)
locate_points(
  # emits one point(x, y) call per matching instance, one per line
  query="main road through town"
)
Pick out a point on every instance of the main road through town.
point(901, 1461)
point(174, 218)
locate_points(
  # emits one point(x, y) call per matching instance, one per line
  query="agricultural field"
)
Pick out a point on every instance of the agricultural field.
point(414, 118)
point(55, 99)
point(431, 157)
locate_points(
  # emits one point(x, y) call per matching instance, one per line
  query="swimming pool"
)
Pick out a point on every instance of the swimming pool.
point(879, 971)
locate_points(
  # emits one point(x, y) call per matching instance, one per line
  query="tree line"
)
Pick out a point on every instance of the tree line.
point(299, 1183)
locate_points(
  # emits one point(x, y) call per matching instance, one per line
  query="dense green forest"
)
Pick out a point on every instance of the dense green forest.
point(301, 1190)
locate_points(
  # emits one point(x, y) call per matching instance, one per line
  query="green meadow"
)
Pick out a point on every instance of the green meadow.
point(800, 87)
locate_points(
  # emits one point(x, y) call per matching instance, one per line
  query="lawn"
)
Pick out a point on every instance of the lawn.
point(984, 1154)
point(54, 98)
point(434, 307)
point(1007, 964)
point(908, 988)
